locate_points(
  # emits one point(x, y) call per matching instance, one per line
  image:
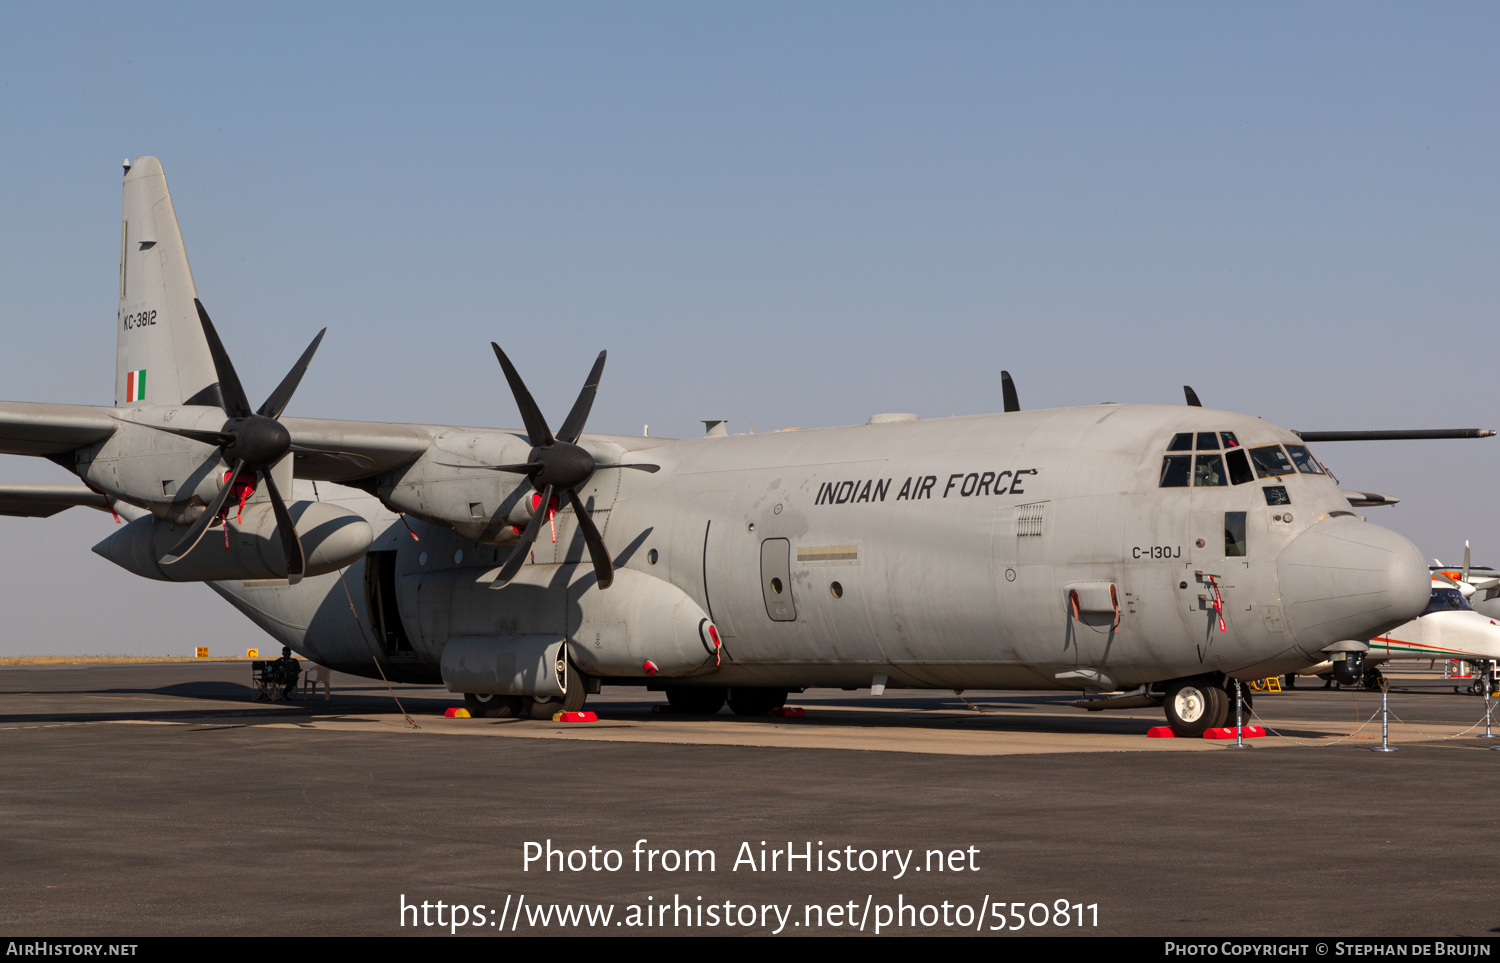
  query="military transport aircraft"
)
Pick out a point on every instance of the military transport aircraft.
point(1136, 554)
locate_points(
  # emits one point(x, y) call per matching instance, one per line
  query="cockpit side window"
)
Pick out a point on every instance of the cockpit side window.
point(1234, 534)
point(1446, 600)
point(1271, 460)
point(1182, 441)
point(1209, 472)
point(1229, 440)
point(1175, 470)
point(1303, 459)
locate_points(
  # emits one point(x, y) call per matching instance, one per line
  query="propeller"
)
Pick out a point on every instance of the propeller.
point(1008, 392)
point(557, 465)
point(250, 443)
point(1192, 396)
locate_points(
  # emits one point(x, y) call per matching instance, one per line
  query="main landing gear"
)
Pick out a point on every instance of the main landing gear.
point(707, 700)
point(485, 706)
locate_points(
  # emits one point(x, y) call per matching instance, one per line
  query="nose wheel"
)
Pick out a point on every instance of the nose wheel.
point(1194, 706)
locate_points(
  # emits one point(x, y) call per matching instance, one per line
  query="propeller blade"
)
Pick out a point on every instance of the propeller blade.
point(1192, 397)
point(651, 468)
point(195, 534)
point(1008, 392)
point(525, 469)
point(603, 567)
point(358, 461)
point(536, 425)
point(215, 438)
point(296, 562)
point(1312, 437)
point(1466, 560)
point(512, 566)
point(276, 404)
point(573, 426)
point(229, 382)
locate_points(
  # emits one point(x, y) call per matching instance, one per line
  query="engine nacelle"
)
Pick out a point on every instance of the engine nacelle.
point(332, 538)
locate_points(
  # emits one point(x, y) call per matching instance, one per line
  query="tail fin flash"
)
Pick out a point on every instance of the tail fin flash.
point(161, 355)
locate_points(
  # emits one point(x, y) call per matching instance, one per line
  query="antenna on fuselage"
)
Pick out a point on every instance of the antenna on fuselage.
point(1008, 392)
point(1192, 396)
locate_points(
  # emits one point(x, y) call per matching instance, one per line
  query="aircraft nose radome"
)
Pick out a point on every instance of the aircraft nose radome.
point(1347, 579)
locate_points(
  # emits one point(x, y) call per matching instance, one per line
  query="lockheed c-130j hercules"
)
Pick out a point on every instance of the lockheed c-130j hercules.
point(1134, 554)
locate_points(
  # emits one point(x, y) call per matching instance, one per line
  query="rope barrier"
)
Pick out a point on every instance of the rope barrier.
point(1361, 726)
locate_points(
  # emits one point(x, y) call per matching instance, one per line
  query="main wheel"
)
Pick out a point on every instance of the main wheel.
point(572, 700)
point(1194, 706)
point(696, 700)
point(755, 702)
point(486, 706)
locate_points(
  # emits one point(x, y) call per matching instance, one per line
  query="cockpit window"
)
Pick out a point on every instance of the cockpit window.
point(1209, 472)
point(1239, 467)
point(1305, 462)
point(1208, 441)
point(1447, 600)
point(1229, 440)
point(1276, 495)
point(1182, 441)
point(1271, 460)
point(1175, 470)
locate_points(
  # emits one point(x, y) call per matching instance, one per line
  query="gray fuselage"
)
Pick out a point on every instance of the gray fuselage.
point(1034, 549)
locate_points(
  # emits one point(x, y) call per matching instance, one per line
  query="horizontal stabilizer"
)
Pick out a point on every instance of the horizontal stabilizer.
point(43, 501)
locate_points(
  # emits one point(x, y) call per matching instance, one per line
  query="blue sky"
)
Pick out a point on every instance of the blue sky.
point(792, 214)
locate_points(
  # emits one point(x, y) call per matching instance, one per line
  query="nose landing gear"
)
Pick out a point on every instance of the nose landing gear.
point(1194, 706)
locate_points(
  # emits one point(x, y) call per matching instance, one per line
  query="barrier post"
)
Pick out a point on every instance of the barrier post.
point(1239, 719)
point(1487, 668)
point(1385, 724)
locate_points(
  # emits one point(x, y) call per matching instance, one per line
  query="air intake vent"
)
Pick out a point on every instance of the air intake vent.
point(1029, 519)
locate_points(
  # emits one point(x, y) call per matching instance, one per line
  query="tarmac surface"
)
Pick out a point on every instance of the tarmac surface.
point(147, 800)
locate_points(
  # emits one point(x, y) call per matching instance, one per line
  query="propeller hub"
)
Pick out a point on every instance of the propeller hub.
point(258, 440)
point(564, 466)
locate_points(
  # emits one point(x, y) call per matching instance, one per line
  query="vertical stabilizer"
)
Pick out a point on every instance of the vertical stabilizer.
point(161, 356)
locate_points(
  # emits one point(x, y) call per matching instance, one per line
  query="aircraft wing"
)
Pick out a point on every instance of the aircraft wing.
point(333, 450)
point(42, 429)
point(43, 501)
point(344, 451)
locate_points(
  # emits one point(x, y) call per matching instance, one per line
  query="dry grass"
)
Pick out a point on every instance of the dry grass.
point(113, 659)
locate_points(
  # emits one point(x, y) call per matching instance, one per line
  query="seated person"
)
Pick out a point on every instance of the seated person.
point(284, 672)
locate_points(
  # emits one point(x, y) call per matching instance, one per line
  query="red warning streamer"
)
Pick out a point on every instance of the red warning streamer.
point(1213, 583)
